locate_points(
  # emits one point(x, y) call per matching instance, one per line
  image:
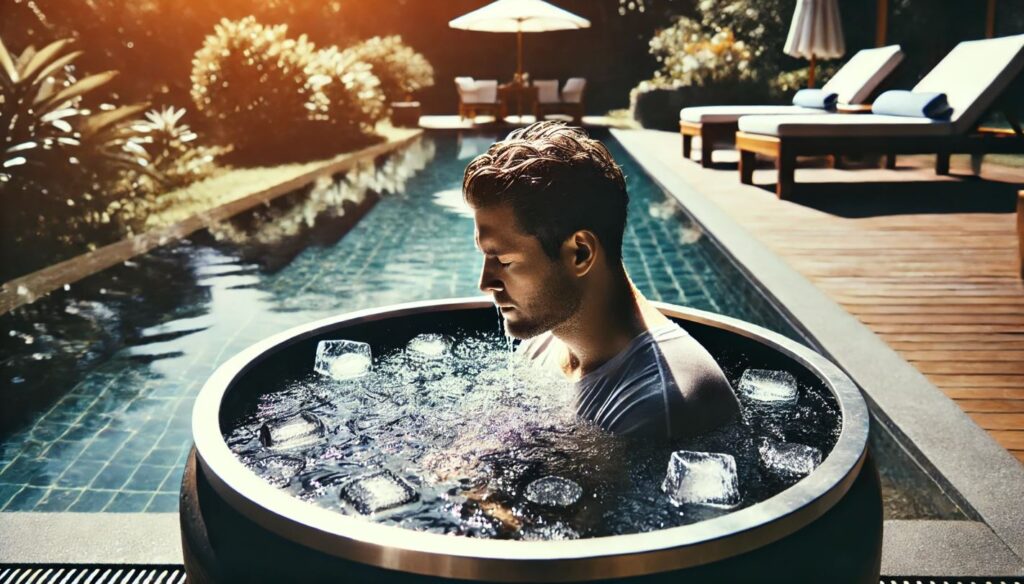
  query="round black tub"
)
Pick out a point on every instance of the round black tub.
point(236, 527)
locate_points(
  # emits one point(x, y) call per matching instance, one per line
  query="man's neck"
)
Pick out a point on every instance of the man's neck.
point(611, 316)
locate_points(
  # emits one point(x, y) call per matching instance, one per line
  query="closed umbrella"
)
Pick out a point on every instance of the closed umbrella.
point(816, 31)
point(519, 16)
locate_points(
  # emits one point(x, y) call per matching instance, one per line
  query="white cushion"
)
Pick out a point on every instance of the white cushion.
point(973, 75)
point(858, 78)
point(573, 90)
point(828, 125)
point(484, 91)
point(731, 113)
point(547, 90)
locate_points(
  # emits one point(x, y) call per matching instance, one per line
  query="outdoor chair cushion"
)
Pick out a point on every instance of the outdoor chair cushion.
point(731, 113)
point(482, 91)
point(815, 98)
point(573, 90)
point(547, 90)
point(858, 78)
point(838, 125)
point(912, 104)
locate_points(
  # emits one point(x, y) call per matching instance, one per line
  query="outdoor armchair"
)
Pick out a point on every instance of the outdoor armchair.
point(477, 96)
point(973, 77)
point(570, 102)
point(853, 83)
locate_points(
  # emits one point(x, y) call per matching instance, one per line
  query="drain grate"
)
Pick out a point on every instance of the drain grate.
point(934, 580)
point(64, 574)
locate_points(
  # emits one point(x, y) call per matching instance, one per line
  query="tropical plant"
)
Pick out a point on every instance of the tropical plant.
point(274, 99)
point(176, 157)
point(60, 163)
point(401, 70)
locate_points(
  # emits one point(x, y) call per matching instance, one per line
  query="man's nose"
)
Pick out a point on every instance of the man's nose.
point(488, 281)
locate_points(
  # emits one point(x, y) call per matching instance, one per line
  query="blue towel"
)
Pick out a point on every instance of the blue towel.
point(899, 102)
point(816, 98)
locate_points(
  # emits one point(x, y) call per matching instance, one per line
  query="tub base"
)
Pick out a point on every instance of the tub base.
point(220, 545)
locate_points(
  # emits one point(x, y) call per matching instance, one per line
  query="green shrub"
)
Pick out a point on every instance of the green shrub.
point(275, 99)
point(176, 157)
point(402, 70)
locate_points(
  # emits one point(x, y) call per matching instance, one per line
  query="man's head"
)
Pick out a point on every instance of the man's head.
point(549, 204)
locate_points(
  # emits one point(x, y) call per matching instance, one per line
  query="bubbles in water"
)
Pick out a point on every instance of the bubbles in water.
point(342, 360)
point(702, 478)
point(764, 385)
point(553, 492)
point(293, 432)
point(279, 469)
point(789, 459)
point(554, 532)
point(427, 346)
point(378, 491)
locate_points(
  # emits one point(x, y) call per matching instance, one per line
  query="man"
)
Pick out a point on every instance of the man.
point(549, 206)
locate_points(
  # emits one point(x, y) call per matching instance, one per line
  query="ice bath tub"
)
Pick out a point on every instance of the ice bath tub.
point(236, 527)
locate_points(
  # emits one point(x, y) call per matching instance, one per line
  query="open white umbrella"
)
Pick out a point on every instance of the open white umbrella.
point(519, 16)
point(816, 31)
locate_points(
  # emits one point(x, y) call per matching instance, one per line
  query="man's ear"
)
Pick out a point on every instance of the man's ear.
point(580, 251)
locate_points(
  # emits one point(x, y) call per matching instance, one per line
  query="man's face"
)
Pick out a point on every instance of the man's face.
point(534, 292)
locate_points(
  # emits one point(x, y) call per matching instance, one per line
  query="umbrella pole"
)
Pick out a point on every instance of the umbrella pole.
point(519, 57)
point(810, 73)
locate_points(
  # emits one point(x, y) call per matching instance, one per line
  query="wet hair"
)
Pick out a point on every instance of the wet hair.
point(558, 181)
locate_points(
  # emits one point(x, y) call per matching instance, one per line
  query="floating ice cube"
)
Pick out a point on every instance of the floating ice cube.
point(554, 532)
point(427, 346)
point(553, 491)
point(279, 469)
point(702, 478)
point(378, 491)
point(298, 431)
point(765, 385)
point(789, 459)
point(342, 359)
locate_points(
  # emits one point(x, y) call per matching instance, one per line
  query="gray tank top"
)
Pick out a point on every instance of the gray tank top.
point(647, 387)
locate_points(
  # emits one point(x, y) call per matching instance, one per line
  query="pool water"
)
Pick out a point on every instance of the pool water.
point(98, 379)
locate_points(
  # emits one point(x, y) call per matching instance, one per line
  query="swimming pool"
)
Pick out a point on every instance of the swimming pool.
point(106, 370)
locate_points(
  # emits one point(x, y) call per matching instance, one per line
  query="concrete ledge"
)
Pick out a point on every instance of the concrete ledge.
point(987, 477)
point(26, 289)
point(945, 549)
point(90, 538)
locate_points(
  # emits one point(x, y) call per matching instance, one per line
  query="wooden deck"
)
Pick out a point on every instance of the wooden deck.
point(928, 263)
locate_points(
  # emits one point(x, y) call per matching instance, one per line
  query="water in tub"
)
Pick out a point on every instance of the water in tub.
point(450, 435)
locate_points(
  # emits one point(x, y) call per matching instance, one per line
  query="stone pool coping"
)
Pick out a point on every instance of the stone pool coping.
point(30, 287)
point(971, 462)
point(951, 446)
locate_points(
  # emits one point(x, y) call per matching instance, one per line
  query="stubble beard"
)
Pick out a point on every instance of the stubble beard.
point(552, 307)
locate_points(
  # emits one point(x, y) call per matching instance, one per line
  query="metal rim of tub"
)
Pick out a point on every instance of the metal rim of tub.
point(395, 548)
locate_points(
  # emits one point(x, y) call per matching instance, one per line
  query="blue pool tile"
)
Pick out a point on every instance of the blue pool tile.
point(7, 492)
point(26, 499)
point(22, 471)
point(163, 503)
point(125, 502)
point(68, 449)
point(172, 484)
point(163, 457)
point(51, 469)
point(80, 473)
point(58, 500)
point(113, 476)
point(92, 501)
point(147, 478)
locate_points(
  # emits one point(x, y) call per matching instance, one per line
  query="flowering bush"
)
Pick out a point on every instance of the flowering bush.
point(275, 99)
point(401, 70)
point(690, 54)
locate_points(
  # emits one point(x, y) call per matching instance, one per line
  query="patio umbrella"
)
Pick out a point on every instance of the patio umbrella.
point(815, 32)
point(519, 16)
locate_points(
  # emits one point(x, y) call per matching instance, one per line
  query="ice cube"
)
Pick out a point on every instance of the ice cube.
point(279, 469)
point(765, 385)
point(555, 532)
point(378, 491)
point(701, 478)
point(342, 360)
point(553, 491)
point(427, 346)
point(298, 431)
point(789, 459)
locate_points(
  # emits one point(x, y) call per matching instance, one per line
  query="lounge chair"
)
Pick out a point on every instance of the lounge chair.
point(570, 102)
point(854, 83)
point(477, 97)
point(973, 77)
